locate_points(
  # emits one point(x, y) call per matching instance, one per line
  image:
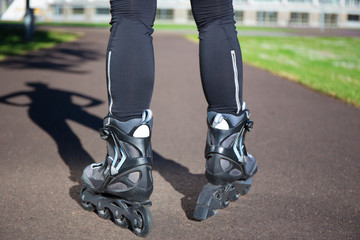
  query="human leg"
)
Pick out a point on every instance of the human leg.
point(120, 186)
point(229, 167)
point(130, 58)
point(220, 55)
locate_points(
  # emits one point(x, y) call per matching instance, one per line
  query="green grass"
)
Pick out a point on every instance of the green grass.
point(11, 40)
point(157, 26)
point(330, 65)
point(162, 26)
point(73, 24)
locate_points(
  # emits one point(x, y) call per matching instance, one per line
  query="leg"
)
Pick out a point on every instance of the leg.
point(229, 167)
point(130, 58)
point(220, 55)
point(121, 185)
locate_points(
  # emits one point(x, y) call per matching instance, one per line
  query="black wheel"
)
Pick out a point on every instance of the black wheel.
point(104, 213)
point(121, 221)
point(145, 222)
point(246, 190)
point(235, 196)
point(86, 205)
point(226, 202)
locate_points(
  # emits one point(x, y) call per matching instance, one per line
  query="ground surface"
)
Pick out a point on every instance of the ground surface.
point(306, 144)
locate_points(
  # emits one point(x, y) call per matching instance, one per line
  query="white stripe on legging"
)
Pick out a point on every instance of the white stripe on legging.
point(109, 83)
point(236, 80)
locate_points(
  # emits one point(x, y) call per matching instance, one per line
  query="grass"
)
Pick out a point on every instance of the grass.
point(11, 40)
point(330, 65)
point(73, 24)
point(162, 26)
point(107, 25)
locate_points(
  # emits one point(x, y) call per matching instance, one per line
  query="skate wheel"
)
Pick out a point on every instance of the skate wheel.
point(104, 213)
point(145, 222)
point(87, 206)
point(234, 194)
point(226, 202)
point(121, 221)
point(246, 190)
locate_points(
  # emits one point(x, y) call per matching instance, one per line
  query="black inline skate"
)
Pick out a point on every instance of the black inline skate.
point(120, 187)
point(229, 167)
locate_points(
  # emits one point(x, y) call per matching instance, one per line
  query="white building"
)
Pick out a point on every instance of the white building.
point(283, 13)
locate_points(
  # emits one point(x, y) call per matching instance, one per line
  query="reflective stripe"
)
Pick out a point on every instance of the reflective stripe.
point(109, 84)
point(236, 80)
point(115, 168)
point(236, 150)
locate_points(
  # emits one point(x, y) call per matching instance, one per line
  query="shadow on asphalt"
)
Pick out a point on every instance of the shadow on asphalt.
point(63, 58)
point(181, 180)
point(50, 108)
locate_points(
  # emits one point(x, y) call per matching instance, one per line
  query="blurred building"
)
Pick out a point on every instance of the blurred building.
point(281, 13)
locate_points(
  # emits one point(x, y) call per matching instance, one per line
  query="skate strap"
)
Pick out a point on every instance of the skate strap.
point(135, 162)
point(122, 159)
point(235, 151)
point(222, 134)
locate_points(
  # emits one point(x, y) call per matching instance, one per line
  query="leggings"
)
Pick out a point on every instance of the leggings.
point(130, 57)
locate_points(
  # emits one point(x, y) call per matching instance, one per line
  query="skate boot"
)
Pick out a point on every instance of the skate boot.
point(120, 187)
point(229, 167)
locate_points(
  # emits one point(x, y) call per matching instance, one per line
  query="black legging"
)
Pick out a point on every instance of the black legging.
point(130, 56)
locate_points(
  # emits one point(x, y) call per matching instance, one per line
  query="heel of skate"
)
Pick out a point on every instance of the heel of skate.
point(214, 197)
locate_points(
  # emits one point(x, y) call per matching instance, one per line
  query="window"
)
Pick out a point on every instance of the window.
point(102, 11)
point(329, 2)
point(266, 17)
point(58, 10)
point(353, 18)
point(165, 14)
point(78, 10)
point(239, 16)
point(301, 19)
point(352, 3)
point(330, 19)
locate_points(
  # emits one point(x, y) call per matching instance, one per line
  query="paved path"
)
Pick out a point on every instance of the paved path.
point(306, 144)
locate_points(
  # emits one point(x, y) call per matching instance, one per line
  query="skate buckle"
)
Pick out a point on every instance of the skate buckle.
point(249, 125)
point(104, 133)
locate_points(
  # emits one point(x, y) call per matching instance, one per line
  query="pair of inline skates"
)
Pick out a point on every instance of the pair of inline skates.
point(120, 186)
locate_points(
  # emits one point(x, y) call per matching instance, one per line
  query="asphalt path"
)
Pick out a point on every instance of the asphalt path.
point(52, 103)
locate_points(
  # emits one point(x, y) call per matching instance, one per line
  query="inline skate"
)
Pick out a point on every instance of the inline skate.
point(120, 186)
point(229, 167)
